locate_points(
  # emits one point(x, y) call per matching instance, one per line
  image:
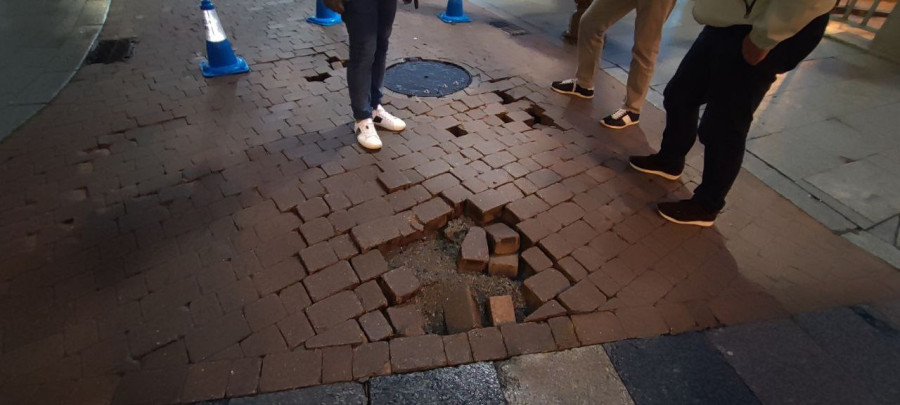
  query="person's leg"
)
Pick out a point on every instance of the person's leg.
point(361, 19)
point(571, 34)
point(387, 9)
point(648, 25)
point(596, 20)
point(734, 97)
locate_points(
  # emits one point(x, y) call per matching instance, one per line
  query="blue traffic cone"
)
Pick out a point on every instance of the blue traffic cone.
point(454, 13)
point(325, 16)
point(221, 59)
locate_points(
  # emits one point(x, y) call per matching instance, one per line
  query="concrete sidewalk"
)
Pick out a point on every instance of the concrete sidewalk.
point(166, 238)
point(43, 43)
point(824, 136)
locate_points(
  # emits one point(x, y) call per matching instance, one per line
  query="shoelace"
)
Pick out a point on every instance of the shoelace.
point(619, 114)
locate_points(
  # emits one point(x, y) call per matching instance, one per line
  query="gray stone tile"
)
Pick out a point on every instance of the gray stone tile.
point(792, 157)
point(864, 187)
point(872, 244)
point(578, 376)
point(865, 347)
point(783, 365)
point(13, 116)
point(43, 88)
point(887, 230)
point(469, 384)
point(335, 394)
point(680, 369)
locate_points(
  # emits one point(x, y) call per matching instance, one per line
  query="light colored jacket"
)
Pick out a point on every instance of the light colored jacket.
point(773, 21)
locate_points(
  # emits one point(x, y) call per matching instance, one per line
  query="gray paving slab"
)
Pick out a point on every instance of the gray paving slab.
point(887, 230)
point(865, 346)
point(578, 376)
point(680, 369)
point(335, 394)
point(862, 186)
point(783, 365)
point(469, 384)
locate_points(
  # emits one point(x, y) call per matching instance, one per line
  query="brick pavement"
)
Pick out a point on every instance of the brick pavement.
point(167, 238)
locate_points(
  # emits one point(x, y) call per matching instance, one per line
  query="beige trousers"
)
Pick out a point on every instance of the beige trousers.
point(651, 15)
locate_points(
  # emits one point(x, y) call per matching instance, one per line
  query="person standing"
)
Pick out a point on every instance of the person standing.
point(369, 24)
point(648, 25)
point(571, 34)
point(730, 67)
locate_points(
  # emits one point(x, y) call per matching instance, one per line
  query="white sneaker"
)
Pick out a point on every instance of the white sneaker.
point(366, 134)
point(387, 121)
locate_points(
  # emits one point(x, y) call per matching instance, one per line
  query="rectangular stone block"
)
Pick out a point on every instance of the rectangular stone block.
point(504, 265)
point(502, 310)
point(460, 311)
point(474, 253)
point(543, 287)
point(503, 239)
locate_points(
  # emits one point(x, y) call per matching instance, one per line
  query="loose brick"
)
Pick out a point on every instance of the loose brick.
point(371, 296)
point(543, 287)
point(486, 206)
point(343, 247)
point(527, 338)
point(460, 312)
point(376, 233)
point(487, 344)
point(573, 270)
point(535, 261)
point(504, 265)
point(556, 246)
point(371, 360)
point(532, 231)
point(369, 265)
point(502, 310)
point(283, 371)
point(334, 310)
point(264, 312)
point(296, 329)
point(525, 208)
point(417, 353)
point(502, 238)
point(401, 284)
point(206, 381)
point(376, 326)
point(243, 377)
point(345, 333)
point(337, 277)
point(337, 364)
point(563, 332)
point(393, 180)
point(318, 257)
point(407, 320)
point(598, 327)
point(456, 196)
point(474, 253)
point(433, 213)
point(457, 349)
point(582, 297)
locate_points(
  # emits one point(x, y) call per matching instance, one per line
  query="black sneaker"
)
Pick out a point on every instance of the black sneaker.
point(686, 212)
point(571, 88)
point(653, 165)
point(620, 119)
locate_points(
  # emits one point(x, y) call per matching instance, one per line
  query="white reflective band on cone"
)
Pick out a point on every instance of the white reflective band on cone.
point(214, 30)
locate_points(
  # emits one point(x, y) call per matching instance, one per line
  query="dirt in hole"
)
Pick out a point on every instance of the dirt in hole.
point(434, 260)
point(507, 99)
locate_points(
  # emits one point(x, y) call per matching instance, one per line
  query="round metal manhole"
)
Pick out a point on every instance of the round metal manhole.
point(426, 78)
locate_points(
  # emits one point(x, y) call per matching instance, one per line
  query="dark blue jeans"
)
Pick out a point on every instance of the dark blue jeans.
point(714, 73)
point(369, 25)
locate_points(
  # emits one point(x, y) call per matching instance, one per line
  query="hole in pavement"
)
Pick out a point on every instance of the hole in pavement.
point(457, 131)
point(539, 118)
point(505, 118)
point(334, 59)
point(435, 261)
point(111, 50)
point(507, 99)
point(318, 78)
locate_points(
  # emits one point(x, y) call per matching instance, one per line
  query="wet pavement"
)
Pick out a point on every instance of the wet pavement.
point(168, 238)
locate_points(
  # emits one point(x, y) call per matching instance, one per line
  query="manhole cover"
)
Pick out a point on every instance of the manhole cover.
point(111, 50)
point(426, 78)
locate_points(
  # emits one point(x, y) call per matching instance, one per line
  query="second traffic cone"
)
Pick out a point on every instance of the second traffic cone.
point(221, 60)
point(325, 16)
point(454, 13)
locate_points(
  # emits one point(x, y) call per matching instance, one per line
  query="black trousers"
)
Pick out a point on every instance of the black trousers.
point(715, 73)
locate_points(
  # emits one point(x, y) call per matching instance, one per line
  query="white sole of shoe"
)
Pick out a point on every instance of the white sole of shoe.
point(705, 224)
point(664, 175)
point(571, 93)
point(390, 129)
point(618, 127)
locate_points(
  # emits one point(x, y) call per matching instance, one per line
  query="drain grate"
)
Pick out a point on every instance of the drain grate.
point(426, 78)
point(511, 29)
point(111, 50)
